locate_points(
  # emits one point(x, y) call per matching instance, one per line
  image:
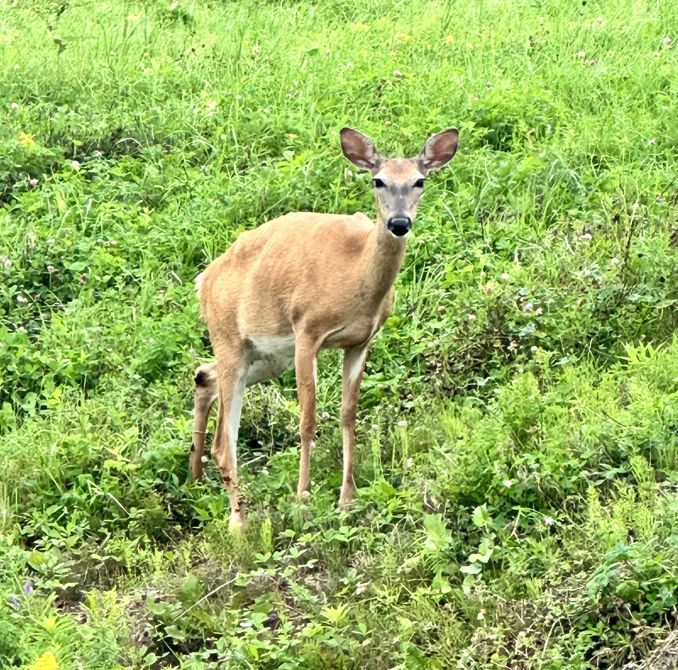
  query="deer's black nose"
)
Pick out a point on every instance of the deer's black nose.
point(399, 225)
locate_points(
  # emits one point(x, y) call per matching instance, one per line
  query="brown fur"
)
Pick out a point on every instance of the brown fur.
point(315, 280)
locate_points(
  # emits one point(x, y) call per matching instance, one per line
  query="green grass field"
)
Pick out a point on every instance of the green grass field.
point(518, 427)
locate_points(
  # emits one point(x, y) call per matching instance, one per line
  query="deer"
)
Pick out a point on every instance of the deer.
point(298, 284)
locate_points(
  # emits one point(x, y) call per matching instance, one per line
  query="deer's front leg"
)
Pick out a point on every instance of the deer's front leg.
point(354, 364)
point(305, 366)
point(231, 379)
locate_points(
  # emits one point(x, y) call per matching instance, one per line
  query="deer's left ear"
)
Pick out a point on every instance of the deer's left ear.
point(438, 150)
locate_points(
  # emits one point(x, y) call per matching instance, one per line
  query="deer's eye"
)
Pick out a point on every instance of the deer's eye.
point(419, 183)
point(378, 183)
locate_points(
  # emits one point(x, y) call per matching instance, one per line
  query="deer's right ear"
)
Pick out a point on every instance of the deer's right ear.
point(360, 150)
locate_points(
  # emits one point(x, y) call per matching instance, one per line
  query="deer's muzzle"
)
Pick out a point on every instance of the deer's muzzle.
point(399, 225)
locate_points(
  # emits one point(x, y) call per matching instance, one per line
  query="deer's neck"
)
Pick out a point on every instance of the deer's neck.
point(382, 258)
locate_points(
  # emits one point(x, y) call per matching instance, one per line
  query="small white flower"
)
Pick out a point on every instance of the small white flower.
point(205, 459)
point(481, 615)
point(471, 317)
point(614, 261)
point(32, 182)
point(325, 415)
point(6, 261)
point(17, 66)
point(402, 423)
point(410, 463)
point(508, 483)
point(585, 236)
point(581, 54)
point(21, 298)
point(14, 105)
point(375, 427)
point(397, 74)
point(361, 588)
point(51, 269)
point(652, 141)
point(504, 276)
point(264, 471)
point(534, 348)
point(528, 307)
point(539, 311)
point(667, 41)
point(349, 65)
point(549, 520)
point(75, 165)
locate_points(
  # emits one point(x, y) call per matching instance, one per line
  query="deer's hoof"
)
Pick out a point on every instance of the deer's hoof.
point(237, 523)
point(346, 499)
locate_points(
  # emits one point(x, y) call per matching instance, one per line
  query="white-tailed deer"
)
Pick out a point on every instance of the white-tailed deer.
point(301, 283)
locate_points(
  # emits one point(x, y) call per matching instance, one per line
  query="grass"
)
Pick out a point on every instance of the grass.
point(518, 444)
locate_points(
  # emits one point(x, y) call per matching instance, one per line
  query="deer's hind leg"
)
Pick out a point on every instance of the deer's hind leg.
point(206, 393)
point(232, 377)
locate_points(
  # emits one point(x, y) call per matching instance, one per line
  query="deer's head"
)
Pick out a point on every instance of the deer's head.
point(398, 182)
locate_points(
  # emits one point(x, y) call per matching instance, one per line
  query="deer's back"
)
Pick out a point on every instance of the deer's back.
point(299, 264)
